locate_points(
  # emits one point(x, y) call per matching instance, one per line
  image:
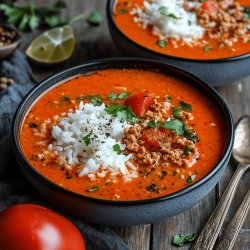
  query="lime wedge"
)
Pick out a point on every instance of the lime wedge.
point(53, 46)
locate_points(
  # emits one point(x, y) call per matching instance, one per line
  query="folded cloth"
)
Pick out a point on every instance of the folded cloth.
point(14, 188)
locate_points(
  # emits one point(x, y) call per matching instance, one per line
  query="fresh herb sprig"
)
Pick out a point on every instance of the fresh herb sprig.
point(164, 12)
point(115, 96)
point(183, 106)
point(87, 138)
point(182, 239)
point(122, 113)
point(93, 189)
point(117, 149)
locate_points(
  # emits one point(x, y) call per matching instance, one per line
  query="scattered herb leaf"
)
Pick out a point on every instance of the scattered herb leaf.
point(152, 188)
point(153, 124)
point(65, 99)
point(54, 21)
point(117, 149)
point(87, 139)
point(190, 134)
point(123, 11)
point(187, 107)
point(247, 12)
point(161, 43)
point(32, 125)
point(175, 125)
point(96, 100)
point(93, 189)
point(183, 106)
point(207, 48)
point(164, 12)
point(114, 96)
point(95, 18)
point(177, 111)
point(191, 178)
point(122, 113)
point(168, 98)
point(186, 150)
point(182, 239)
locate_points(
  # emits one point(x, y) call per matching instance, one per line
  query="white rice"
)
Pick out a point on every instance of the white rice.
point(184, 27)
point(99, 157)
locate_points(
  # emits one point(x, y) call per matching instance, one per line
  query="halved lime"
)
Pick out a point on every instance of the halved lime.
point(53, 46)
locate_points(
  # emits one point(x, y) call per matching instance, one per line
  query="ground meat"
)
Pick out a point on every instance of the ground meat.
point(227, 24)
point(170, 148)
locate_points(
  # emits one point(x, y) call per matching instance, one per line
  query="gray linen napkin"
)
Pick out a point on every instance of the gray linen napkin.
point(14, 188)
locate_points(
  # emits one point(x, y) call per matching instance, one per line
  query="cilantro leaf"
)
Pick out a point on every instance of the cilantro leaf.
point(152, 188)
point(123, 11)
point(190, 134)
point(168, 98)
point(175, 125)
point(177, 111)
point(96, 100)
point(54, 21)
point(191, 178)
point(114, 96)
point(95, 18)
point(34, 22)
point(87, 139)
point(153, 124)
point(186, 150)
point(161, 43)
point(121, 112)
point(93, 189)
point(164, 12)
point(187, 107)
point(117, 149)
point(182, 239)
point(183, 106)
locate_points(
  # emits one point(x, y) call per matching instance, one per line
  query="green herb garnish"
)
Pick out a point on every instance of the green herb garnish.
point(32, 125)
point(123, 11)
point(87, 139)
point(183, 106)
point(32, 16)
point(186, 150)
point(65, 99)
point(191, 178)
point(175, 125)
point(164, 12)
point(247, 12)
point(161, 43)
point(96, 100)
point(187, 107)
point(182, 239)
point(190, 134)
point(122, 113)
point(153, 124)
point(207, 48)
point(117, 149)
point(95, 18)
point(152, 188)
point(168, 98)
point(114, 96)
point(93, 189)
point(177, 111)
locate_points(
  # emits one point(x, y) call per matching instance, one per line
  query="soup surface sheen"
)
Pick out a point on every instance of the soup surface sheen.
point(154, 178)
point(144, 37)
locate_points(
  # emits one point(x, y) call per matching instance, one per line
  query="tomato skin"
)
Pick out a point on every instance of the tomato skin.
point(209, 7)
point(33, 227)
point(152, 137)
point(140, 103)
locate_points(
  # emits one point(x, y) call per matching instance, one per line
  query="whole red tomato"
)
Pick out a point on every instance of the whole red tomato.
point(33, 227)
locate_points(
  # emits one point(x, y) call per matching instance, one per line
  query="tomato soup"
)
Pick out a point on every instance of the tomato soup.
point(224, 27)
point(123, 134)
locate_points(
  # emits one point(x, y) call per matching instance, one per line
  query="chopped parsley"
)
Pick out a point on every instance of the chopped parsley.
point(117, 149)
point(152, 188)
point(114, 96)
point(65, 99)
point(153, 124)
point(32, 125)
point(168, 98)
point(247, 12)
point(207, 48)
point(87, 139)
point(94, 99)
point(161, 43)
point(123, 11)
point(164, 12)
point(122, 113)
point(183, 106)
point(182, 239)
point(186, 150)
point(190, 134)
point(175, 125)
point(93, 189)
point(191, 178)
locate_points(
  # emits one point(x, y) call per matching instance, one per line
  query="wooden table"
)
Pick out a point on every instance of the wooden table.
point(95, 42)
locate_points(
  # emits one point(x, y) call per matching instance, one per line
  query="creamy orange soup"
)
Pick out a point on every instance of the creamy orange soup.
point(166, 156)
point(212, 49)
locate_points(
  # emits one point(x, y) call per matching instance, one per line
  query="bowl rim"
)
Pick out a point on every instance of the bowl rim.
point(98, 66)
point(18, 37)
point(109, 11)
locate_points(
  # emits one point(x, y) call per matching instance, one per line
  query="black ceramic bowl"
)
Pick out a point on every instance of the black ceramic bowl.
point(119, 213)
point(215, 72)
point(7, 50)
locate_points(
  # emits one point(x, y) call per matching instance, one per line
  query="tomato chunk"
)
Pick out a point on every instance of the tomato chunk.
point(152, 137)
point(140, 103)
point(209, 7)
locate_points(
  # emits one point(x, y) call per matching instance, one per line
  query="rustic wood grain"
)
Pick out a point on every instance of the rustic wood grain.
point(95, 42)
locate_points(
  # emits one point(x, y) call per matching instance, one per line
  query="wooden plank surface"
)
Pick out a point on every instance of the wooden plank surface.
point(95, 42)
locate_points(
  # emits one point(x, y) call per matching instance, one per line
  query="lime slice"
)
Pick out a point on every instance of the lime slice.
point(53, 46)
